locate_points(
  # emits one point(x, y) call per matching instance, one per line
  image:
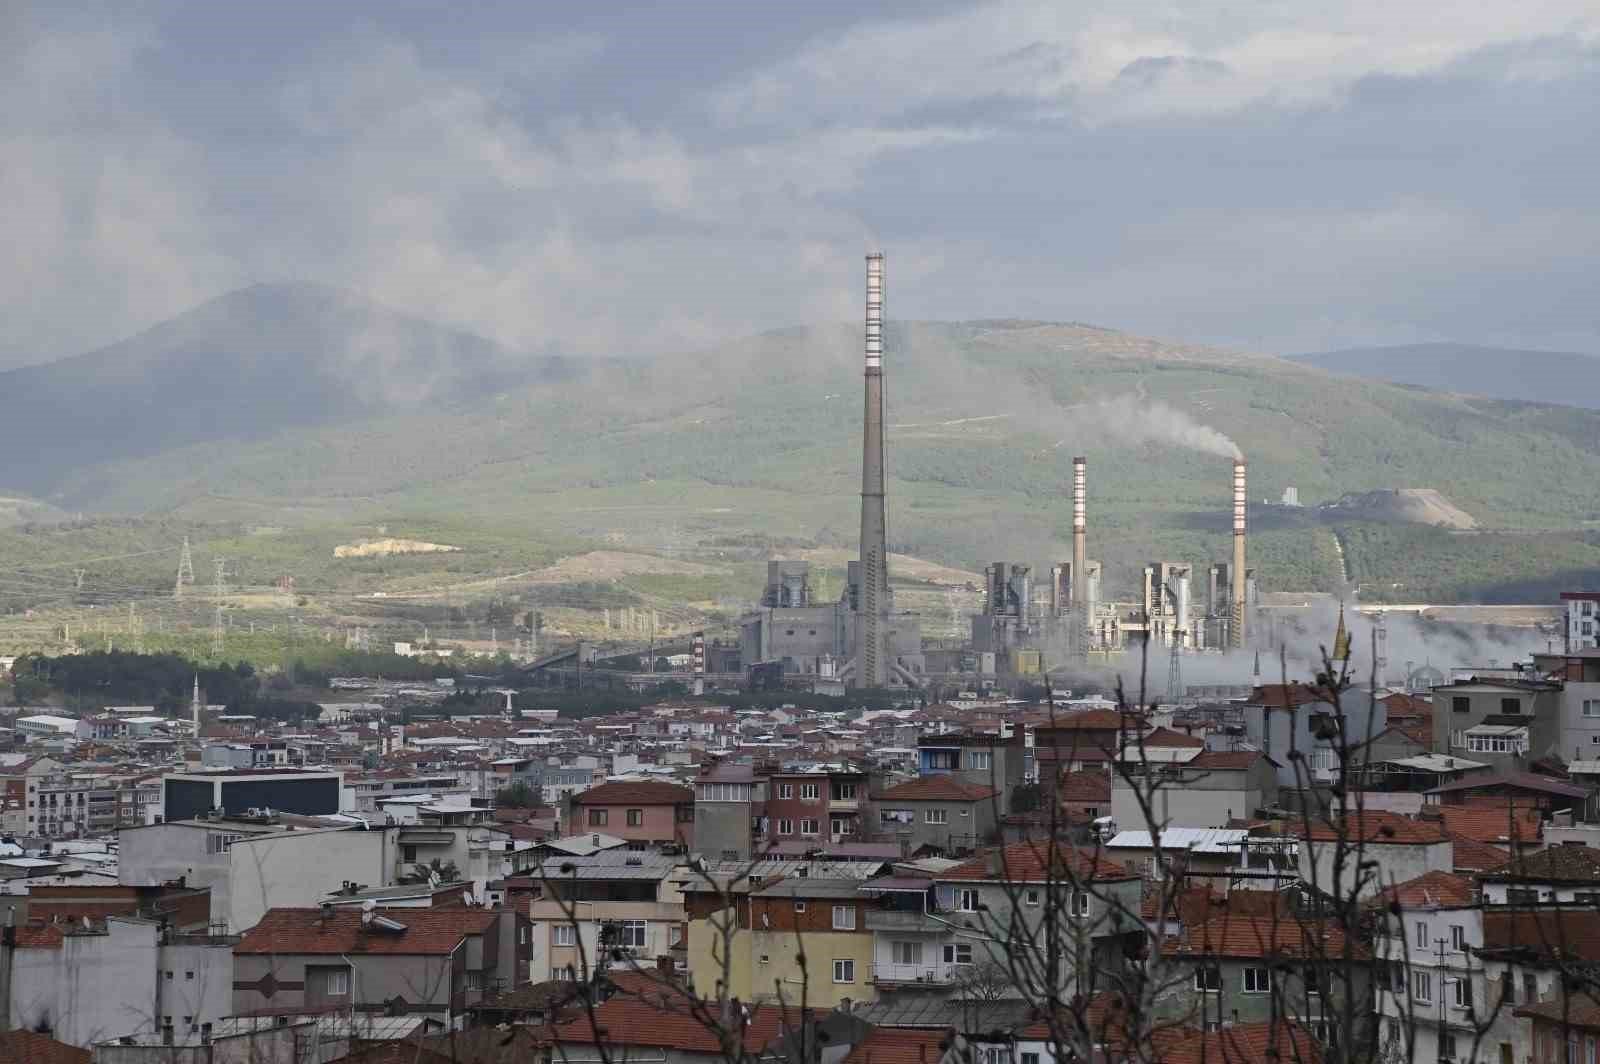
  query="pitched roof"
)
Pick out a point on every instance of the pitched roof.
point(27, 1047)
point(671, 1019)
point(1566, 933)
point(1086, 785)
point(1170, 739)
point(940, 788)
point(1526, 781)
point(1037, 861)
point(1226, 760)
point(428, 931)
point(1233, 935)
point(1375, 827)
point(1268, 1042)
point(1086, 720)
point(1287, 696)
point(636, 792)
point(1431, 890)
point(1474, 856)
point(1580, 1010)
point(1490, 824)
point(1557, 864)
point(899, 1045)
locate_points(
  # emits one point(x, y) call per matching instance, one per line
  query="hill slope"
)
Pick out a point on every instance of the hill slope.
point(1503, 373)
point(242, 366)
point(757, 442)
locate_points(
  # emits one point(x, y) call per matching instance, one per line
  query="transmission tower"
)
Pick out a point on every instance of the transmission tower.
point(185, 570)
point(218, 629)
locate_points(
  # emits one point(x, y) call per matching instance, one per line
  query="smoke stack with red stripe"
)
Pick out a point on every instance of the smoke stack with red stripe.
point(1236, 625)
point(872, 665)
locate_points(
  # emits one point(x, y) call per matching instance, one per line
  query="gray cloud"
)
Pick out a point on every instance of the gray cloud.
point(624, 182)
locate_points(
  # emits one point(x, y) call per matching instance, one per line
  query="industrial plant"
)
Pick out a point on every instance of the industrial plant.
point(1025, 628)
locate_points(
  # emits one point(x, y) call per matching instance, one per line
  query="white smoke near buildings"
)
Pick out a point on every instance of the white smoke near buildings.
point(1131, 419)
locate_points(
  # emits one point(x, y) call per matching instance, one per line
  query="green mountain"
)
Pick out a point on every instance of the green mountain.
point(1531, 376)
point(755, 443)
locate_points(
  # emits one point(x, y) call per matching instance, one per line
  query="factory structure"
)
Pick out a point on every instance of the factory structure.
point(1025, 627)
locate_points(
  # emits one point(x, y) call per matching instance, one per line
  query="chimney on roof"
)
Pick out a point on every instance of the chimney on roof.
point(327, 912)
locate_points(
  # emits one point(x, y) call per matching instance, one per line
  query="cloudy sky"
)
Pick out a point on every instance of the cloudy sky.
point(1282, 175)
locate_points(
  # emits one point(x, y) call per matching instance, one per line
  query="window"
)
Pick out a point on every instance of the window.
point(635, 818)
point(808, 792)
point(1208, 980)
point(169, 977)
point(1530, 988)
point(1030, 897)
point(844, 792)
point(1422, 986)
point(474, 980)
point(844, 971)
point(1458, 938)
point(1420, 938)
point(633, 934)
point(1521, 896)
point(981, 760)
point(1257, 980)
point(1447, 1046)
point(674, 934)
point(799, 906)
point(1511, 706)
point(338, 982)
point(1462, 995)
point(1460, 704)
point(843, 825)
point(785, 790)
point(188, 977)
point(1030, 1058)
point(936, 816)
point(958, 953)
point(967, 900)
point(906, 952)
point(1591, 707)
point(808, 826)
point(1079, 904)
point(597, 818)
point(563, 973)
point(566, 935)
point(785, 826)
point(844, 918)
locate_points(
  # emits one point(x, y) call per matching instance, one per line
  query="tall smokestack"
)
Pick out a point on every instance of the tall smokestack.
point(1236, 627)
point(871, 664)
point(1080, 554)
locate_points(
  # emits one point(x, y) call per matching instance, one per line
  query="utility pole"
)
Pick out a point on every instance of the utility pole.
point(185, 570)
point(217, 629)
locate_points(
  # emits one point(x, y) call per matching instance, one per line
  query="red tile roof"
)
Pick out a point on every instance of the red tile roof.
point(1374, 827)
point(1431, 890)
point(1033, 861)
point(1226, 760)
point(1580, 1010)
point(1104, 1017)
point(1269, 1042)
point(1558, 864)
point(1488, 824)
point(27, 1047)
point(1232, 935)
point(899, 1045)
point(1087, 720)
point(669, 1018)
point(1566, 933)
point(1168, 739)
point(1283, 696)
point(302, 931)
point(1087, 785)
point(940, 788)
point(641, 792)
point(1474, 856)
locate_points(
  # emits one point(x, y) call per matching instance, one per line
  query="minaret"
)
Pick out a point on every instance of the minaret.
point(194, 705)
point(872, 665)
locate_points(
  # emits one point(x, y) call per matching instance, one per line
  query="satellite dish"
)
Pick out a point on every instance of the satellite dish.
point(368, 905)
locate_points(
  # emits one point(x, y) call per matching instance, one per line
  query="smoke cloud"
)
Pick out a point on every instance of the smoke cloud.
point(1132, 419)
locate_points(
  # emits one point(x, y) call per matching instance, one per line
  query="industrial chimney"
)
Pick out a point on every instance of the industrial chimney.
point(1080, 554)
point(873, 598)
point(1236, 625)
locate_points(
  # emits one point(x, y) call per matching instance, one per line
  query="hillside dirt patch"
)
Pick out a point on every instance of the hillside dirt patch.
point(1418, 506)
point(602, 565)
point(383, 548)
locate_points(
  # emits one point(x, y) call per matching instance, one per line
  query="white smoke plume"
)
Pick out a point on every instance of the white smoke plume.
point(1134, 420)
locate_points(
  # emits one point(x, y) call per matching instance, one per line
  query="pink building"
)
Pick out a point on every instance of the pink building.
point(644, 812)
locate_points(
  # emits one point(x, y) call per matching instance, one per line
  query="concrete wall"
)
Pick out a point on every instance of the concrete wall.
point(775, 968)
point(160, 853)
point(967, 824)
point(659, 823)
point(547, 960)
point(711, 961)
point(297, 868)
point(195, 983)
point(1200, 800)
point(722, 828)
point(426, 982)
point(1396, 864)
point(1580, 735)
point(95, 987)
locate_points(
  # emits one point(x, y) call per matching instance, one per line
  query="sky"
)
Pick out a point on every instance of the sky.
point(633, 178)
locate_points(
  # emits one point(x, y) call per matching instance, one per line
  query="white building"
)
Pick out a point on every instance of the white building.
point(1583, 619)
point(45, 726)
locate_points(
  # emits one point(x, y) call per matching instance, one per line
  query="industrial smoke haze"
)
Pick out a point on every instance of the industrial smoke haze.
point(1131, 420)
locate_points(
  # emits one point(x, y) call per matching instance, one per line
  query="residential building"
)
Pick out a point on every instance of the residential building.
point(433, 962)
point(1285, 719)
point(644, 812)
point(667, 1024)
point(49, 727)
point(1361, 853)
point(620, 907)
point(1207, 789)
point(1431, 1002)
point(308, 793)
point(826, 803)
point(978, 758)
point(1582, 610)
point(728, 799)
point(942, 812)
point(1560, 875)
point(1501, 721)
point(1528, 958)
point(1564, 1030)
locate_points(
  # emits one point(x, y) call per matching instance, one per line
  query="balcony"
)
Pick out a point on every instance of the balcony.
point(937, 974)
point(844, 805)
point(894, 920)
